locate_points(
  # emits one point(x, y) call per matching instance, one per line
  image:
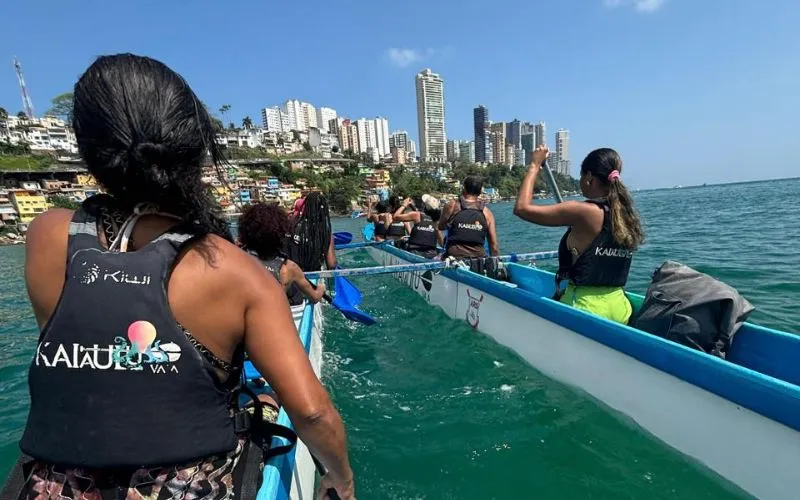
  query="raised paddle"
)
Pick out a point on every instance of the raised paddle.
point(548, 174)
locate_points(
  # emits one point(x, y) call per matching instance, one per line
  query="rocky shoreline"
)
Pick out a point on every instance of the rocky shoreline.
point(12, 239)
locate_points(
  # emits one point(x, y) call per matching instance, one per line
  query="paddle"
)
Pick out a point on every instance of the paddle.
point(425, 266)
point(548, 174)
point(346, 301)
point(342, 238)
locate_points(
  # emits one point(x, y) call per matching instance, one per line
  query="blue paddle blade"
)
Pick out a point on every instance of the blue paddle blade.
point(346, 301)
point(368, 232)
point(346, 292)
point(342, 238)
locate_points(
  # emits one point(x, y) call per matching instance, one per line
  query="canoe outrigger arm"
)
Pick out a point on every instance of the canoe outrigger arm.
point(426, 266)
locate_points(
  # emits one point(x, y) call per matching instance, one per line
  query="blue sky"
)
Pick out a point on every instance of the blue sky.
point(689, 91)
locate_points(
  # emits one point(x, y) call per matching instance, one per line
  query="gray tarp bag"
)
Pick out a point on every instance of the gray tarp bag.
point(692, 308)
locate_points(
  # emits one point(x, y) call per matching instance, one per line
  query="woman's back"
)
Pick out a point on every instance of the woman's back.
point(168, 298)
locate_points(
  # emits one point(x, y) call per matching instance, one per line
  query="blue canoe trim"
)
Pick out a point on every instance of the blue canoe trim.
point(763, 394)
point(277, 475)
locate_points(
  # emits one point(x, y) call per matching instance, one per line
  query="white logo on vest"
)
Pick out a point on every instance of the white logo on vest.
point(133, 354)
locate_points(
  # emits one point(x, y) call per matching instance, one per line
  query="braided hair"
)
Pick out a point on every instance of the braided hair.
point(312, 233)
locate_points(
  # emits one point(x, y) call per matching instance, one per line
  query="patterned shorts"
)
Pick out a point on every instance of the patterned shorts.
point(211, 478)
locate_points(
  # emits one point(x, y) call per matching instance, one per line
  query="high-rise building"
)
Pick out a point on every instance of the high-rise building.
point(489, 151)
point(498, 131)
point(509, 156)
point(399, 139)
point(519, 157)
point(540, 134)
point(514, 133)
point(334, 125)
point(480, 121)
point(527, 140)
point(562, 151)
point(348, 137)
point(412, 150)
point(430, 116)
point(467, 151)
point(382, 135)
point(274, 119)
point(324, 116)
point(309, 115)
point(295, 116)
point(366, 135)
point(453, 150)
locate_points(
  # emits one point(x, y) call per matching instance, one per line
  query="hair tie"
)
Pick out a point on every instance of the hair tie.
point(614, 175)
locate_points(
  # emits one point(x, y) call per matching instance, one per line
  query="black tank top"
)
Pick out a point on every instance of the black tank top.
point(115, 381)
point(380, 229)
point(423, 234)
point(274, 265)
point(468, 227)
point(603, 263)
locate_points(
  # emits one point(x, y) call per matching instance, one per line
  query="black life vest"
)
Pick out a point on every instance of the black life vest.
point(468, 226)
point(274, 265)
point(603, 263)
point(396, 230)
point(115, 381)
point(423, 234)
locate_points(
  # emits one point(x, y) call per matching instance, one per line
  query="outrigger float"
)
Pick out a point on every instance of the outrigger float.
point(740, 417)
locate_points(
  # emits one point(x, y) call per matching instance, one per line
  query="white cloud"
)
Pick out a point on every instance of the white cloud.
point(406, 57)
point(645, 6)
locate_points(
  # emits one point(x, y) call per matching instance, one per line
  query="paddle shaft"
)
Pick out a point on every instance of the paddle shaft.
point(424, 266)
point(332, 494)
point(548, 174)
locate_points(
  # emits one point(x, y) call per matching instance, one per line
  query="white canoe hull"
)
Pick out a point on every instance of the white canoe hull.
point(754, 452)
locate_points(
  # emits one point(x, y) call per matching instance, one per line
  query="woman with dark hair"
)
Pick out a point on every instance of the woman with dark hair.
point(396, 229)
point(424, 236)
point(595, 254)
point(262, 231)
point(378, 217)
point(311, 241)
point(146, 309)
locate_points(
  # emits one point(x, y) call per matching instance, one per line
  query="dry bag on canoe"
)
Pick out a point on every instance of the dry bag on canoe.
point(692, 308)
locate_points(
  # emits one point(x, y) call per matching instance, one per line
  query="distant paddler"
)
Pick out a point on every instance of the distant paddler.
point(425, 236)
point(469, 223)
point(377, 215)
point(262, 231)
point(310, 244)
point(396, 229)
point(595, 253)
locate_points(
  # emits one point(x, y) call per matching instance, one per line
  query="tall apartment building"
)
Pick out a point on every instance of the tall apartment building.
point(498, 133)
point(430, 116)
point(480, 121)
point(324, 116)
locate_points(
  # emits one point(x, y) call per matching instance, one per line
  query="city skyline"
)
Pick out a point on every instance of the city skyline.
point(625, 80)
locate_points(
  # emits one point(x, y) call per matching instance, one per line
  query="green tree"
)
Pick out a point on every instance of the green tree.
point(21, 114)
point(3, 113)
point(247, 122)
point(59, 201)
point(307, 147)
point(342, 192)
point(61, 106)
point(223, 110)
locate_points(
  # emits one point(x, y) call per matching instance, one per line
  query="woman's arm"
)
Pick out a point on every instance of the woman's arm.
point(568, 213)
point(330, 255)
point(446, 214)
point(273, 345)
point(494, 244)
point(296, 276)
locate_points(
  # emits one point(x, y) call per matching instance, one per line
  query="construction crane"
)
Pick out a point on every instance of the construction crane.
point(26, 98)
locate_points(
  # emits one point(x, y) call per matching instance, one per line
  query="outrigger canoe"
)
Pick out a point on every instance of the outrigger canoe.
point(740, 417)
point(292, 475)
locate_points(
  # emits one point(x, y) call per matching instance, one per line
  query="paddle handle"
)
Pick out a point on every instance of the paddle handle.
point(552, 182)
point(332, 493)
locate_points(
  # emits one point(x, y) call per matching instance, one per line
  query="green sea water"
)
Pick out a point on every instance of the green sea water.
point(435, 410)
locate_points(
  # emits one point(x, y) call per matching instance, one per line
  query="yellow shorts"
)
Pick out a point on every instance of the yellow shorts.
point(608, 302)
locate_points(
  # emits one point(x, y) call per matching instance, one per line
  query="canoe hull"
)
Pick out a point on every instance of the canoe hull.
point(754, 452)
point(293, 475)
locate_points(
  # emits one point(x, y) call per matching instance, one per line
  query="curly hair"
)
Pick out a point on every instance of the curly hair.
point(263, 229)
